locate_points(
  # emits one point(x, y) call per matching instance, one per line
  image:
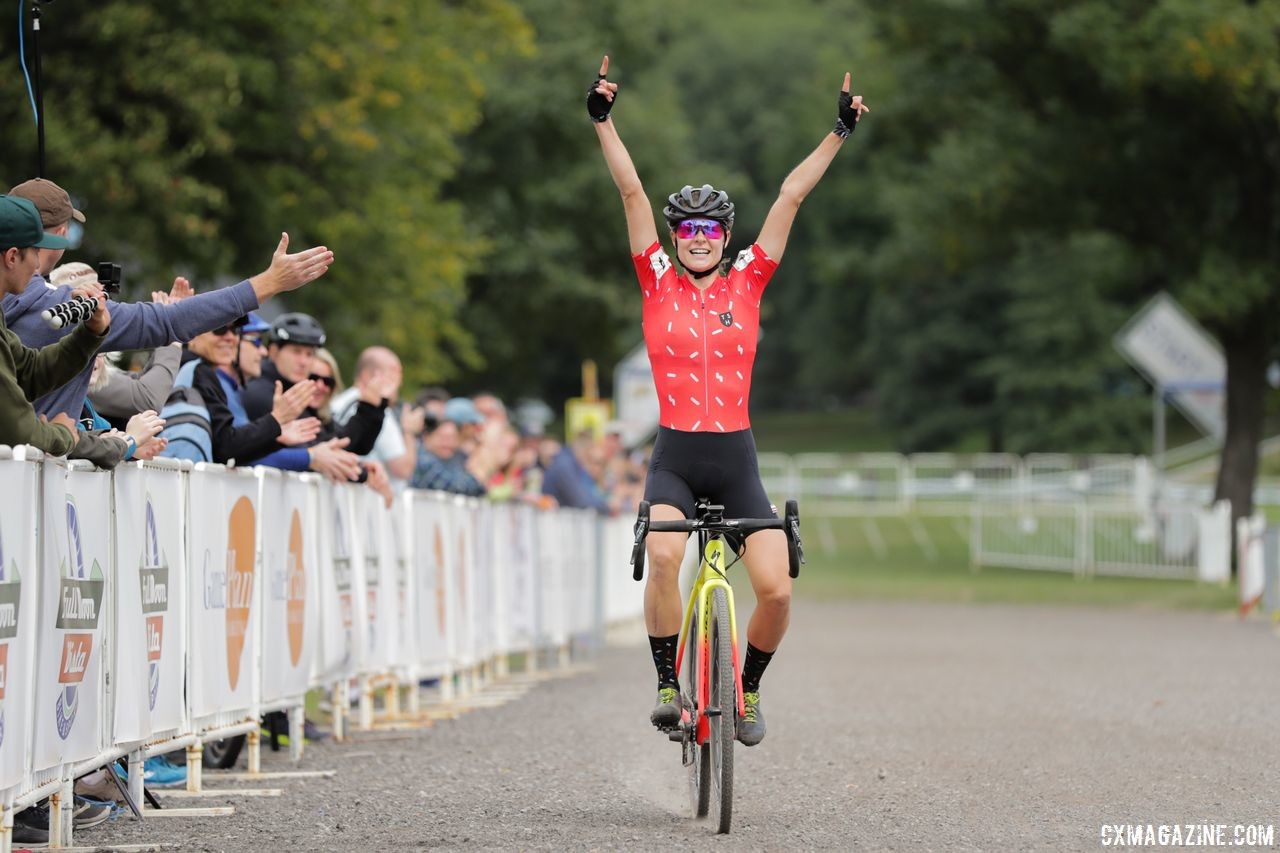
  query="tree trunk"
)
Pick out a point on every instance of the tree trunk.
point(1246, 351)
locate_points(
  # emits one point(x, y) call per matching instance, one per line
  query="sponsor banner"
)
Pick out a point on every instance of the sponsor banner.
point(520, 584)
point(484, 616)
point(19, 601)
point(462, 587)
point(552, 539)
point(341, 643)
point(379, 580)
point(400, 579)
point(148, 683)
point(223, 564)
point(579, 581)
point(76, 562)
point(289, 582)
point(429, 529)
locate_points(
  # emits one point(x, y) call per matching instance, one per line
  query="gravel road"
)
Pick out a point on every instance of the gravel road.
point(892, 727)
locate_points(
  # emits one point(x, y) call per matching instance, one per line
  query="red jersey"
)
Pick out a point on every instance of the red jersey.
point(702, 344)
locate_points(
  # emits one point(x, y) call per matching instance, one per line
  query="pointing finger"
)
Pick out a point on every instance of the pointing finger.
point(845, 87)
point(604, 65)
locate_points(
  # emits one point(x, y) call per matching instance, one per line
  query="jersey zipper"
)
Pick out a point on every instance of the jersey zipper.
point(706, 359)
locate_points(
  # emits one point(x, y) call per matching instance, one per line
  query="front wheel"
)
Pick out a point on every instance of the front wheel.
point(700, 760)
point(724, 698)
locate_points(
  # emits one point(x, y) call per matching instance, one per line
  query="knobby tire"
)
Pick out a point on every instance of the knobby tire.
point(724, 695)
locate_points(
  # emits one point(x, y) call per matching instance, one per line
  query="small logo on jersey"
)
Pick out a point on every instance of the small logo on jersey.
point(660, 263)
point(726, 319)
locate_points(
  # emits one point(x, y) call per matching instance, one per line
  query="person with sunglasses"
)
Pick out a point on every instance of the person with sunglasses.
point(291, 349)
point(284, 437)
point(700, 328)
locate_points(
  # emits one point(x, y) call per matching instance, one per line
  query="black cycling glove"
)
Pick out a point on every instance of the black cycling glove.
point(847, 120)
point(598, 105)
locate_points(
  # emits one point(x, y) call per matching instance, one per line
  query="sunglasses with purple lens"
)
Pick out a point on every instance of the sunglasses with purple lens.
point(689, 228)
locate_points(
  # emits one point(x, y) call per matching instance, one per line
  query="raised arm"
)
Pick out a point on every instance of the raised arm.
point(641, 231)
point(803, 178)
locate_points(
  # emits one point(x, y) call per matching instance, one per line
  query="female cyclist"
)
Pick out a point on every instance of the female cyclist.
point(700, 329)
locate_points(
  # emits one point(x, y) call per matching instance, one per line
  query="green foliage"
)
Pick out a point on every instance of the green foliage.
point(195, 133)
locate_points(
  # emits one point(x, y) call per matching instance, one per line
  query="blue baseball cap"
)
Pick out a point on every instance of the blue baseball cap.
point(253, 324)
point(21, 228)
point(461, 410)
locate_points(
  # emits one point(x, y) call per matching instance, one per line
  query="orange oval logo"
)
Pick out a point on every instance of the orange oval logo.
point(240, 559)
point(296, 606)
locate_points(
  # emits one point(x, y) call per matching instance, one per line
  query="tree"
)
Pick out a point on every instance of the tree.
point(1153, 127)
point(192, 146)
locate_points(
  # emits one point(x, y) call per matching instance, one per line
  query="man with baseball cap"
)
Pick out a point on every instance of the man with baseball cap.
point(27, 373)
point(141, 325)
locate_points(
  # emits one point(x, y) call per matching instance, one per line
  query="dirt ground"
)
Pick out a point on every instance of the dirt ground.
point(891, 727)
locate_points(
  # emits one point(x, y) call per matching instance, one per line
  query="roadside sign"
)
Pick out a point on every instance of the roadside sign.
point(635, 396)
point(1180, 358)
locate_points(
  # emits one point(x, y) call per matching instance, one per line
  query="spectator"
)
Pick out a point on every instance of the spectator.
point(238, 437)
point(117, 395)
point(490, 408)
point(294, 339)
point(377, 382)
point(442, 468)
point(432, 402)
point(328, 379)
point(26, 373)
point(569, 480)
point(140, 439)
point(464, 413)
point(138, 325)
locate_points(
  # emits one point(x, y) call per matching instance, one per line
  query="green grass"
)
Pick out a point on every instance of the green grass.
point(844, 562)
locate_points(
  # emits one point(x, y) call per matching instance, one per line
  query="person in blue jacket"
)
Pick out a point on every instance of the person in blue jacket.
point(138, 325)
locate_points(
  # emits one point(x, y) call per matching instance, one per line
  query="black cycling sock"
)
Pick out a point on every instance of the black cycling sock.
point(664, 658)
point(753, 668)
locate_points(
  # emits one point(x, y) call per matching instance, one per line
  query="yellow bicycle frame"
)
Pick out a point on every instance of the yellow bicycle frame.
point(711, 576)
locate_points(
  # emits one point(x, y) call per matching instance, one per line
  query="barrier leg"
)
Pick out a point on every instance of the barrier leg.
point(446, 686)
point(59, 804)
point(415, 700)
point(255, 752)
point(297, 717)
point(136, 759)
point(366, 703)
point(393, 698)
point(339, 711)
point(195, 767)
point(6, 828)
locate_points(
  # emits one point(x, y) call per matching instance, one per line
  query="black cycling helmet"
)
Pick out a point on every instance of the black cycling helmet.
point(704, 202)
point(297, 329)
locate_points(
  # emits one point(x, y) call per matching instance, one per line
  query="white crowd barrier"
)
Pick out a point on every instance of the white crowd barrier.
point(162, 605)
point(1175, 542)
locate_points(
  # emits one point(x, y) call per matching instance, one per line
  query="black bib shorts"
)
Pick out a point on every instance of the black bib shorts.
point(719, 466)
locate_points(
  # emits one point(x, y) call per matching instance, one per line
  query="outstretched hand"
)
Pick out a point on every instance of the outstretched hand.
point(601, 94)
point(851, 109)
point(290, 271)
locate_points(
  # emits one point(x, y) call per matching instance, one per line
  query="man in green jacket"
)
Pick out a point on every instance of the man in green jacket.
point(26, 373)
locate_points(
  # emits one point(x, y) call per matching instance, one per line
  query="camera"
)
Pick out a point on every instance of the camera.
point(109, 276)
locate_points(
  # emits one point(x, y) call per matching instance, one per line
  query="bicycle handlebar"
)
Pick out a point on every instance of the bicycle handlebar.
point(724, 525)
point(788, 524)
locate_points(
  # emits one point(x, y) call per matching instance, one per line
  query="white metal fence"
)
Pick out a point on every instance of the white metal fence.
point(1187, 543)
point(1100, 514)
point(160, 605)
